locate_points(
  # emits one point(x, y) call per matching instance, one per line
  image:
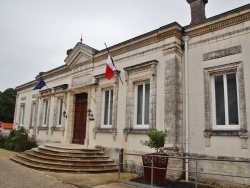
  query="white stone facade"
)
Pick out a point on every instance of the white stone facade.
point(217, 45)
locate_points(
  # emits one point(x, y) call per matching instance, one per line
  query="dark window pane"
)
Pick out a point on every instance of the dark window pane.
point(219, 100)
point(232, 99)
point(111, 108)
point(45, 112)
point(106, 106)
point(33, 113)
point(146, 110)
point(60, 112)
point(139, 104)
point(22, 114)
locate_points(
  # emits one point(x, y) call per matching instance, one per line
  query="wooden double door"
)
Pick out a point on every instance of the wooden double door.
point(79, 133)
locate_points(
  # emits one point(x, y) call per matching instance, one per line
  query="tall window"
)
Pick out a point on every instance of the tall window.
point(107, 108)
point(59, 112)
point(45, 112)
point(22, 115)
point(225, 103)
point(33, 109)
point(142, 105)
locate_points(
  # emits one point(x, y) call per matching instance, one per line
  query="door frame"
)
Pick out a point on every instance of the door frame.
point(71, 117)
point(81, 104)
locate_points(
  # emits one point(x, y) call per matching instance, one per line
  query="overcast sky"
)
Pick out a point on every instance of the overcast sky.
point(35, 34)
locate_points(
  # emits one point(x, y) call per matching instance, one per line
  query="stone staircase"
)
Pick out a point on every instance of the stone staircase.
point(66, 158)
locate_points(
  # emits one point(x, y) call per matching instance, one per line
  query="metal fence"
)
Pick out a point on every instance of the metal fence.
point(196, 171)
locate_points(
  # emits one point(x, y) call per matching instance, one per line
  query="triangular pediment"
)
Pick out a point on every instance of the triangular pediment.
point(79, 55)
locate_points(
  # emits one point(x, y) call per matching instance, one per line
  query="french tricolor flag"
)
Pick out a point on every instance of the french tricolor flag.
point(110, 67)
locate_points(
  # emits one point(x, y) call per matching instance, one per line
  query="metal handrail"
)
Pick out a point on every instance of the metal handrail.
point(196, 172)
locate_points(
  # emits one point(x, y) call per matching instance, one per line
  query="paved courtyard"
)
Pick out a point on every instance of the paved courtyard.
point(13, 175)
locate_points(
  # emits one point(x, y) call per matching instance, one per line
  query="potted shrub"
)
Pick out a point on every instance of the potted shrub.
point(156, 141)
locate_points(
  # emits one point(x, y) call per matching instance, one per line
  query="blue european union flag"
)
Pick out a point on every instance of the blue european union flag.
point(40, 84)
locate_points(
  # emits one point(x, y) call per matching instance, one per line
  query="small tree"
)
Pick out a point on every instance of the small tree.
point(156, 140)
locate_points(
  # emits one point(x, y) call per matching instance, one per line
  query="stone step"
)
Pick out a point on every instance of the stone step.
point(64, 158)
point(64, 164)
point(33, 154)
point(70, 147)
point(70, 155)
point(61, 150)
point(62, 169)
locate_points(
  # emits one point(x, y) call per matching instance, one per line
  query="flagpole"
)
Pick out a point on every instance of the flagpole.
point(41, 77)
point(113, 62)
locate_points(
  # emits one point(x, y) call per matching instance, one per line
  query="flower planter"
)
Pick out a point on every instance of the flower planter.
point(159, 175)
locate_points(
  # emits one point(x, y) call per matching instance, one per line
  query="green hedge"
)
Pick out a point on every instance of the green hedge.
point(17, 140)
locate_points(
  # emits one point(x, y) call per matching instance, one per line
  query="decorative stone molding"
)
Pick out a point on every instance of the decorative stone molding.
point(56, 129)
point(218, 37)
point(61, 87)
point(222, 53)
point(172, 48)
point(141, 65)
point(81, 60)
point(80, 54)
point(137, 73)
point(173, 33)
point(168, 31)
point(101, 83)
point(23, 98)
point(34, 96)
point(46, 75)
point(113, 131)
point(217, 26)
point(242, 132)
point(82, 67)
point(45, 91)
point(127, 131)
point(82, 79)
point(42, 128)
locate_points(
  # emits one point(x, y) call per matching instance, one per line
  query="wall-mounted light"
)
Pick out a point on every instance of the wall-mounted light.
point(90, 113)
point(64, 114)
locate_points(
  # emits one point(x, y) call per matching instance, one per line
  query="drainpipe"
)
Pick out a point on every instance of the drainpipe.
point(186, 39)
point(15, 115)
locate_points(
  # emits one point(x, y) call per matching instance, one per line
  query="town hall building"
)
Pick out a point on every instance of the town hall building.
point(192, 81)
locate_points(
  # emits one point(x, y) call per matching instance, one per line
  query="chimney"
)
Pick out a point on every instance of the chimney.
point(69, 51)
point(197, 10)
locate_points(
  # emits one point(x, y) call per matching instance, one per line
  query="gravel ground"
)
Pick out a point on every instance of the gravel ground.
point(13, 175)
point(171, 184)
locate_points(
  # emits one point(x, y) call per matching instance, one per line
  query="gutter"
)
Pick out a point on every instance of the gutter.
point(186, 39)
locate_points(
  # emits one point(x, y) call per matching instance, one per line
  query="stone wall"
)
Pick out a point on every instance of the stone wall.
point(225, 170)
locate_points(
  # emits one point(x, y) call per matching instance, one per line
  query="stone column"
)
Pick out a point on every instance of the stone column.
point(174, 95)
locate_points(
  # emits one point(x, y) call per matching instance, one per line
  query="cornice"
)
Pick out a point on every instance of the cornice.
point(46, 75)
point(26, 86)
point(217, 26)
point(155, 38)
point(217, 37)
point(141, 65)
point(51, 74)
